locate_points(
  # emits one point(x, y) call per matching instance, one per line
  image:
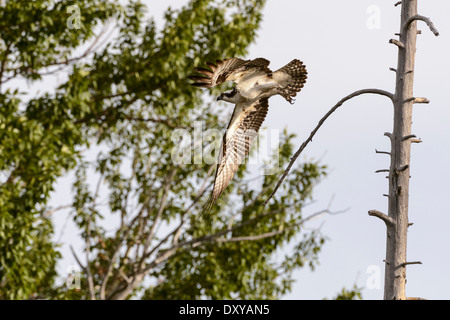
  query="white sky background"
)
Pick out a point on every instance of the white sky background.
point(343, 55)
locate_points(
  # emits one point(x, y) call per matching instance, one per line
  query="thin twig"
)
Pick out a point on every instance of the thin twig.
point(77, 259)
point(382, 152)
point(68, 61)
point(216, 236)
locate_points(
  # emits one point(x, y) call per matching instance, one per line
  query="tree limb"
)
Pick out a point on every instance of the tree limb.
point(68, 61)
point(388, 220)
point(4, 61)
point(424, 19)
point(307, 141)
point(52, 211)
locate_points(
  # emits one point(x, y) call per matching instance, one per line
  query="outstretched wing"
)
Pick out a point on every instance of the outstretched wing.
point(228, 70)
point(241, 133)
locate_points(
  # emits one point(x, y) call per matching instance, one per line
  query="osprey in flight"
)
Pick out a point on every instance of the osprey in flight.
point(255, 84)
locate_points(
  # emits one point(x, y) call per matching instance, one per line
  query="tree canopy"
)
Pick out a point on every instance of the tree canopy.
point(139, 214)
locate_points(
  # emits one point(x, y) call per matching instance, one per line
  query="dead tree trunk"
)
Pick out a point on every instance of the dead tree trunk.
point(395, 273)
point(401, 138)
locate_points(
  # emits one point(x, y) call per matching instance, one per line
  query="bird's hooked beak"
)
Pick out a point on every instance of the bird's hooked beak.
point(220, 97)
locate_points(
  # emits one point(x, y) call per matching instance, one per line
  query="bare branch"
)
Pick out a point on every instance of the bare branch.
point(424, 19)
point(90, 278)
point(166, 122)
point(324, 118)
point(421, 100)
point(398, 3)
point(162, 206)
point(410, 136)
point(77, 259)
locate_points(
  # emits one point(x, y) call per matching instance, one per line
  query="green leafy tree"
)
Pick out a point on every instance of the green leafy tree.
point(38, 136)
point(124, 100)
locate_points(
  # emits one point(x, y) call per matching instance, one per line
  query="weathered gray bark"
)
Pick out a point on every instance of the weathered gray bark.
point(401, 139)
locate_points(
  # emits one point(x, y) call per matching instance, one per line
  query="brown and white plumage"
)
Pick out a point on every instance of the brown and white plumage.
point(255, 84)
point(242, 131)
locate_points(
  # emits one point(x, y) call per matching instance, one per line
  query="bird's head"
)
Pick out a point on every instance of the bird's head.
point(229, 96)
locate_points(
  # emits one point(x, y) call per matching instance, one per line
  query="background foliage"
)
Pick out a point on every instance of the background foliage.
point(125, 94)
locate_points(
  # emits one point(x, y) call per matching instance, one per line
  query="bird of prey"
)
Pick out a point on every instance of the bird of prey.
point(255, 84)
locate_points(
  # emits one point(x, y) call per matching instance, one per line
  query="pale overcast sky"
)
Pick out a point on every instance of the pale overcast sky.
point(345, 50)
